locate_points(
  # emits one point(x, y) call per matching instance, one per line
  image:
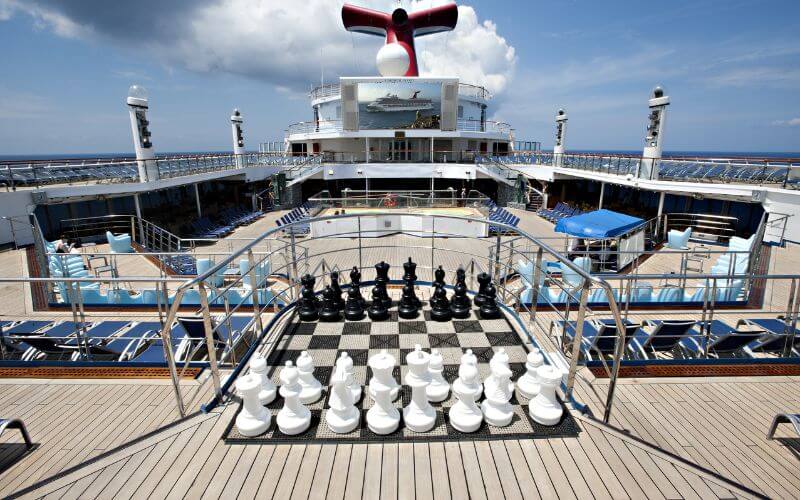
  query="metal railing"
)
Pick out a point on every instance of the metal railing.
point(464, 89)
point(462, 124)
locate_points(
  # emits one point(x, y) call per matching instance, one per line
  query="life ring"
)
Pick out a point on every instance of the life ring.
point(390, 201)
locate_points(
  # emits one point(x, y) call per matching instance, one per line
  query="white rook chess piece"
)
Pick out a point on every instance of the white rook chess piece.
point(528, 384)
point(498, 391)
point(311, 388)
point(544, 408)
point(465, 416)
point(419, 415)
point(382, 365)
point(382, 417)
point(254, 419)
point(258, 367)
point(343, 416)
point(345, 363)
point(294, 417)
point(439, 388)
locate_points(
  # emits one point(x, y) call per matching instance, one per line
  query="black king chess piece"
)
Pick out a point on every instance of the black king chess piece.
point(489, 309)
point(354, 309)
point(330, 309)
point(407, 308)
point(337, 290)
point(440, 306)
point(480, 297)
point(377, 311)
point(460, 305)
point(410, 278)
point(355, 281)
point(309, 304)
point(381, 282)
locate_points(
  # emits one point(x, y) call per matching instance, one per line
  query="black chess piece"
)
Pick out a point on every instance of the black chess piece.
point(309, 304)
point(410, 278)
point(354, 309)
point(377, 311)
point(381, 282)
point(355, 282)
point(489, 309)
point(460, 305)
point(480, 297)
point(337, 290)
point(440, 306)
point(408, 309)
point(330, 309)
point(438, 277)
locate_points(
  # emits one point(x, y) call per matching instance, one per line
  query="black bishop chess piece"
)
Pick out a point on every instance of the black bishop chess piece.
point(410, 279)
point(480, 297)
point(355, 281)
point(440, 306)
point(354, 308)
point(460, 305)
point(438, 277)
point(337, 290)
point(330, 309)
point(489, 309)
point(407, 308)
point(377, 311)
point(309, 305)
point(381, 282)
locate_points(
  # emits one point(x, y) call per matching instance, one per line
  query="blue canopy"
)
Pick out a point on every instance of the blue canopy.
point(598, 224)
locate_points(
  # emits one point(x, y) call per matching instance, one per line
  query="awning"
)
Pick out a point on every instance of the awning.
point(598, 224)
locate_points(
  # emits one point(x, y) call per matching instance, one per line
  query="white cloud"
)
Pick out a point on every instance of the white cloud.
point(762, 76)
point(793, 122)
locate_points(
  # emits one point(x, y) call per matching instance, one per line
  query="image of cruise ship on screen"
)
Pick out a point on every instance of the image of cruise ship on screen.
point(391, 102)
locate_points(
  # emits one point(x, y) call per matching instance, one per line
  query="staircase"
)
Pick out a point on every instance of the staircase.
point(536, 199)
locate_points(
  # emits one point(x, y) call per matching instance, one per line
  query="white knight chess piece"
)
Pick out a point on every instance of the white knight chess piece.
point(382, 418)
point(343, 416)
point(497, 410)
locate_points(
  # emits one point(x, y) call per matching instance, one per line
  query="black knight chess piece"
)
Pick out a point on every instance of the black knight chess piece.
point(309, 305)
point(408, 309)
point(410, 278)
point(337, 290)
point(480, 297)
point(460, 305)
point(354, 308)
point(377, 311)
point(489, 309)
point(440, 306)
point(330, 309)
point(381, 282)
point(355, 281)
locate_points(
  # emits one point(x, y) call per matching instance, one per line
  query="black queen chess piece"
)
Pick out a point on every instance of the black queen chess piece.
point(381, 282)
point(407, 308)
point(440, 306)
point(337, 290)
point(354, 309)
point(460, 305)
point(480, 297)
point(355, 282)
point(309, 305)
point(489, 309)
point(410, 278)
point(330, 310)
point(377, 311)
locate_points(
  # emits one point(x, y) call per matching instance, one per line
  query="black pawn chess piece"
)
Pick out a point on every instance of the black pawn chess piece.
point(355, 281)
point(337, 290)
point(480, 297)
point(354, 309)
point(438, 277)
point(460, 305)
point(381, 282)
point(377, 311)
point(408, 309)
point(330, 309)
point(410, 278)
point(489, 309)
point(308, 301)
point(440, 306)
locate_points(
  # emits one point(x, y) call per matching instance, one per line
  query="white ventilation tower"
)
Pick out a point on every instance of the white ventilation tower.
point(145, 156)
point(238, 139)
point(561, 133)
point(655, 135)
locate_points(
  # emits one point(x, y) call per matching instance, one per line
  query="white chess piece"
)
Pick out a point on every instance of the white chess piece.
point(497, 410)
point(343, 416)
point(502, 358)
point(294, 417)
point(385, 364)
point(438, 389)
point(345, 363)
point(258, 367)
point(469, 358)
point(311, 388)
point(544, 408)
point(254, 419)
point(528, 384)
point(419, 415)
point(477, 388)
point(382, 417)
point(465, 415)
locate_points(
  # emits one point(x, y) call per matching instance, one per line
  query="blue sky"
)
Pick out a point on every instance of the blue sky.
point(732, 69)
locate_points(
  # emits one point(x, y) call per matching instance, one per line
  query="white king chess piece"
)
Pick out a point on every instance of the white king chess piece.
point(544, 408)
point(465, 415)
point(258, 367)
point(294, 417)
point(528, 384)
point(438, 389)
point(497, 410)
point(343, 416)
point(254, 419)
point(419, 415)
point(382, 417)
point(311, 387)
point(345, 363)
point(382, 365)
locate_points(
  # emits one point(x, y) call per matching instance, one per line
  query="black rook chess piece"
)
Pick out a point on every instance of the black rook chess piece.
point(480, 297)
point(460, 306)
point(381, 281)
point(440, 306)
point(410, 278)
point(408, 309)
point(330, 310)
point(308, 301)
point(337, 290)
point(377, 311)
point(354, 309)
point(489, 309)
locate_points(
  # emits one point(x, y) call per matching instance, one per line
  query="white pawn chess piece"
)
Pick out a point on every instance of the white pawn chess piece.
point(345, 363)
point(528, 384)
point(438, 389)
point(311, 387)
point(465, 415)
point(382, 417)
point(254, 419)
point(343, 416)
point(469, 358)
point(382, 365)
point(294, 417)
point(497, 410)
point(544, 408)
point(419, 415)
point(470, 384)
point(258, 367)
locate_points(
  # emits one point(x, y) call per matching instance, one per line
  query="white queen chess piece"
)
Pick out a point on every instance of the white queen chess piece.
point(438, 389)
point(345, 363)
point(465, 415)
point(544, 408)
point(382, 365)
point(311, 388)
point(254, 419)
point(294, 417)
point(419, 415)
point(343, 416)
point(528, 384)
point(258, 367)
point(382, 417)
point(497, 410)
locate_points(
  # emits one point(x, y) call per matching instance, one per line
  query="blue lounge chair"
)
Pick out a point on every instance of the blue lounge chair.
point(600, 336)
point(665, 336)
point(723, 340)
point(15, 423)
point(775, 341)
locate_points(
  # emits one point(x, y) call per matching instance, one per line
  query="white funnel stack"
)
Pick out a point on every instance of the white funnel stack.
point(238, 139)
point(145, 156)
point(655, 130)
point(561, 133)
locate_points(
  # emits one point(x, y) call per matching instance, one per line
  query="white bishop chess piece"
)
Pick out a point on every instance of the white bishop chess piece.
point(258, 367)
point(544, 408)
point(465, 415)
point(345, 364)
point(439, 389)
point(254, 419)
point(382, 417)
point(528, 384)
point(294, 417)
point(385, 363)
point(468, 358)
point(311, 388)
point(343, 416)
point(498, 389)
point(419, 415)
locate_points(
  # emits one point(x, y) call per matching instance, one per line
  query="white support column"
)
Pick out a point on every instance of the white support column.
point(660, 211)
point(238, 139)
point(655, 130)
point(561, 135)
point(431, 149)
point(366, 149)
point(138, 204)
point(602, 192)
point(197, 199)
point(145, 156)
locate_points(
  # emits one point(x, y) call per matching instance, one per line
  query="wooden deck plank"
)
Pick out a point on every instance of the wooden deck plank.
point(322, 474)
point(220, 477)
point(422, 471)
point(355, 474)
point(389, 471)
point(505, 470)
point(472, 469)
point(303, 484)
point(272, 477)
point(561, 482)
point(439, 473)
point(406, 488)
point(455, 470)
point(527, 485)
point(341, 464)
point(290, 470)
point(372, 471)
point(491, 480)
point(252, 480)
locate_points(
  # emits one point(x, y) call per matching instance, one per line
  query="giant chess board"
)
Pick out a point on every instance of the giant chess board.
point(365, 338)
